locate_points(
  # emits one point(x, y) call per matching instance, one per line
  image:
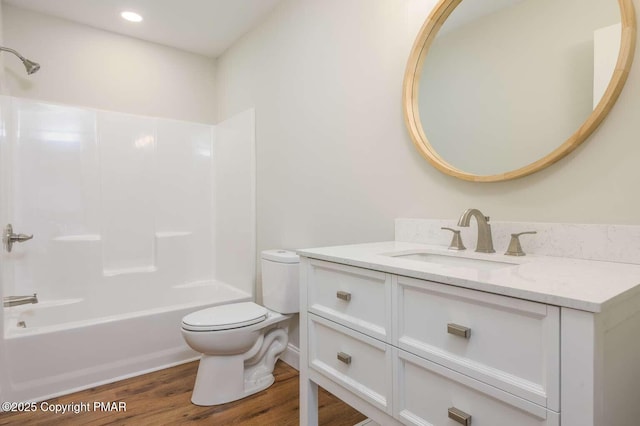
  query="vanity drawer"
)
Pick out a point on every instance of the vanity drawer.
point(425, 392)
point(356, 297)
point(512, 344)
point(357, 362)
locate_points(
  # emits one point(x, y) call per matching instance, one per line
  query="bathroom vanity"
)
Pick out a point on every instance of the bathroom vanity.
point(411, 333)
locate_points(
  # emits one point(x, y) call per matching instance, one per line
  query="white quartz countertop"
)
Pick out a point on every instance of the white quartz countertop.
point(573, 283)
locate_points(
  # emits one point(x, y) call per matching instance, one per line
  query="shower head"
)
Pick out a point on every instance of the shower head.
point(29, 65)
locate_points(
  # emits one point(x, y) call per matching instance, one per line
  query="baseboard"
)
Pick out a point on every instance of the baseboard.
point(291, 356)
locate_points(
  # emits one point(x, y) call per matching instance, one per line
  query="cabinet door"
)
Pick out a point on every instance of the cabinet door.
point(425, 393)
point(509, 343)
point(356, 297)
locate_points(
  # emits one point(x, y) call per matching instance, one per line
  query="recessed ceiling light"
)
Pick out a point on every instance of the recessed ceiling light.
point(131, 16)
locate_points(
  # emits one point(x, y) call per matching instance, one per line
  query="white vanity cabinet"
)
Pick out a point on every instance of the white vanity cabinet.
point(412, 351)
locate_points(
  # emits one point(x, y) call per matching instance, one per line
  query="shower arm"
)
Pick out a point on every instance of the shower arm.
point(7, 49)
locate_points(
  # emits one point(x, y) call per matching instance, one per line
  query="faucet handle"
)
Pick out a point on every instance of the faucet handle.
point(456, 241)
point(8, 238)
point(515, 249)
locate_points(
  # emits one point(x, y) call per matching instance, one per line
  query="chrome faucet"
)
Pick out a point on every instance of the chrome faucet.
point(9, 301)
point(485, 241)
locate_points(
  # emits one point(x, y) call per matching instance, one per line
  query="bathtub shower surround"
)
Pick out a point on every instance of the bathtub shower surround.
point(124, 210)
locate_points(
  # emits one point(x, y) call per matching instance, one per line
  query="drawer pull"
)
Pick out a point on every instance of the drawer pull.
point(460, 416)
point(344, 358)
point(459, 330)
point(344, 295)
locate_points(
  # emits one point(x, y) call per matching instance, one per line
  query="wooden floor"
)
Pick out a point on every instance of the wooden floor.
point(163, 398)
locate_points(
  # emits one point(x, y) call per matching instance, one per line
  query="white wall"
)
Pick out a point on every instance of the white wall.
point(335, 164)
point(85, 66)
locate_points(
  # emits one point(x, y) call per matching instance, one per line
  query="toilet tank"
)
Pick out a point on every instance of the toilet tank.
point(280, 276)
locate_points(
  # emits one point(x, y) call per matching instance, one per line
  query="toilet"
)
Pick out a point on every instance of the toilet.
point(241, 342)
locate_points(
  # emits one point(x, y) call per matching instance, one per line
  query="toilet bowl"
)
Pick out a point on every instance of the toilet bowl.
point(241, 342)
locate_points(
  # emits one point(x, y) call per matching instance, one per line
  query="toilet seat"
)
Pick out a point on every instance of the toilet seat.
point(225, 317)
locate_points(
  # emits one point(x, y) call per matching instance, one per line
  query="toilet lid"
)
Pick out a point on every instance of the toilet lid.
point(225, 317)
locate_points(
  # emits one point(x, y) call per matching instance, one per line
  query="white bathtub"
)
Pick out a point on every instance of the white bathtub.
point(74, 344)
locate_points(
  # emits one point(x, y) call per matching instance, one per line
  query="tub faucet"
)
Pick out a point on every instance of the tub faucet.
point(19, 300)
point(485, 241)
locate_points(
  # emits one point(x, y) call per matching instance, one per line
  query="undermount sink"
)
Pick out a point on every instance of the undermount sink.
point(449, 260)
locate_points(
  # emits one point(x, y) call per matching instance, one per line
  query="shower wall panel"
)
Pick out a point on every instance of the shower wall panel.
point(184, 196)
point(127, 149)
point(234, 200)
point(55, 191)
point(6, 268)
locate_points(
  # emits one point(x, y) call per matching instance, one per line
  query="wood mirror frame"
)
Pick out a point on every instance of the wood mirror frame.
point(420, 49)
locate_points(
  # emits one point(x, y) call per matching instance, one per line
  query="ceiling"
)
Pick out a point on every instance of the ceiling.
point(206, 27)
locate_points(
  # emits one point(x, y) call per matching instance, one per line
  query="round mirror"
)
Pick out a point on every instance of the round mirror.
point(499, 89)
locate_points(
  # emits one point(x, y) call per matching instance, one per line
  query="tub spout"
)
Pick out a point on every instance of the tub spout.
point(19, 300)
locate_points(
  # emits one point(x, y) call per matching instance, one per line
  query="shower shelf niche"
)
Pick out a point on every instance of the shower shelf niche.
point(132, 270)
point(78, 238)
point(199, 283)
point(171, 234)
